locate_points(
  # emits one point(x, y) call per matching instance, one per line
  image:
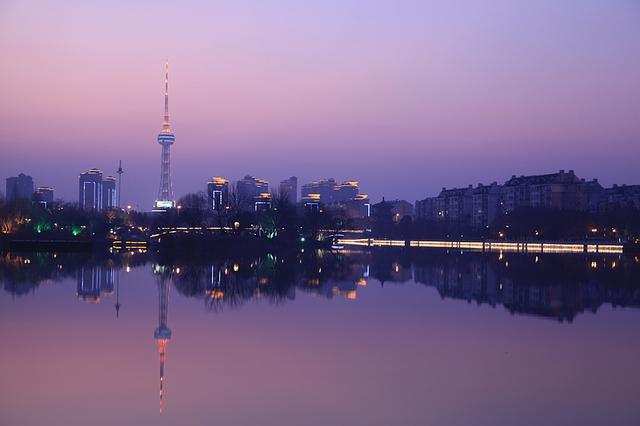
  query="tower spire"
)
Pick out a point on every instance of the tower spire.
point(166, 125)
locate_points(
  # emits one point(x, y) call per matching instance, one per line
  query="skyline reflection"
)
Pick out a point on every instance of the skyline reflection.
point(259, 328)
point(552, 286)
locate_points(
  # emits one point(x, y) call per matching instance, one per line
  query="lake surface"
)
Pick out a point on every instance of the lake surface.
point(352, 338)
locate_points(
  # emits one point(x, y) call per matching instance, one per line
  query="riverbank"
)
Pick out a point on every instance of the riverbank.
point(489, 246)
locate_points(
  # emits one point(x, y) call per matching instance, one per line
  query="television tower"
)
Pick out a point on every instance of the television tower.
point(120, 172)
point(166, 138)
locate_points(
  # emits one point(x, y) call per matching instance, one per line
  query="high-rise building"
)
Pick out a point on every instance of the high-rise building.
point(45, 194)
point(166, 138)
point(96, 192)
point(250, 187)
point(347, 190)
point(289, 189)
point(19, 188)
point(330, 191)
point(324, 188)
point(90, 190)
point(218, 193)
point(109, 199)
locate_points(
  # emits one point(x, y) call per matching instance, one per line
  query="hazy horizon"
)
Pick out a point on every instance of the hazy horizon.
point(405, 97)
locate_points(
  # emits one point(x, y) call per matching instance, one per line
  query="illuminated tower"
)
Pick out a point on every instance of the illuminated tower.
point(166, 138)
point(162, 333)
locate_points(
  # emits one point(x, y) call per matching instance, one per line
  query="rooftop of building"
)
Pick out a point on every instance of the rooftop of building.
point(559, 177)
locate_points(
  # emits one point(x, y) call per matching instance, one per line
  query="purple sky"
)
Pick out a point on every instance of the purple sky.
point(404, 96)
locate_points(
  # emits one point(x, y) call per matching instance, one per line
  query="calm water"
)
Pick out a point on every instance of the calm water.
point(388, 338)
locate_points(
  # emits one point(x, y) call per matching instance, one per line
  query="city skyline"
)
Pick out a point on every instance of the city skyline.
point(404, 104)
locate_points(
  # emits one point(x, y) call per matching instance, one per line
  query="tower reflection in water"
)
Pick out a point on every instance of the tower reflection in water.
point(162, 334)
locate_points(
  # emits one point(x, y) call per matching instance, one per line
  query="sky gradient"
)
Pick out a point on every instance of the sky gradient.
point(404, 96)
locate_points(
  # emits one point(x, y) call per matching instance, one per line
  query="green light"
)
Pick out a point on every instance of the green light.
point(76, 230)
point(41, 227)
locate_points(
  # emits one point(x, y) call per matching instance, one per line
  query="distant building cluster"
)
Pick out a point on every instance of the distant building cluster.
point(479, 206)
point(96, 192)
point(21, 187)
point(252, 194)
point(331, 194)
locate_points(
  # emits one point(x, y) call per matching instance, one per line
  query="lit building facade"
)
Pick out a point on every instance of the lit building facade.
point(347, 190)
point(96, 192)
point(90, 190)
point(262, 202)
point(109, 196)
point(323, 188)
point(218, 193)
point(332, 192)
point(311, 202)
point(249, 187)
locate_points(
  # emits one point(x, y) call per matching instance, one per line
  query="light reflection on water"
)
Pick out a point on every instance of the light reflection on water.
point(250, 340)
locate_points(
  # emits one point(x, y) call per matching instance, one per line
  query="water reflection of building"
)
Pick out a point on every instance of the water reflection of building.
point(95, 281)
point(523, 286)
